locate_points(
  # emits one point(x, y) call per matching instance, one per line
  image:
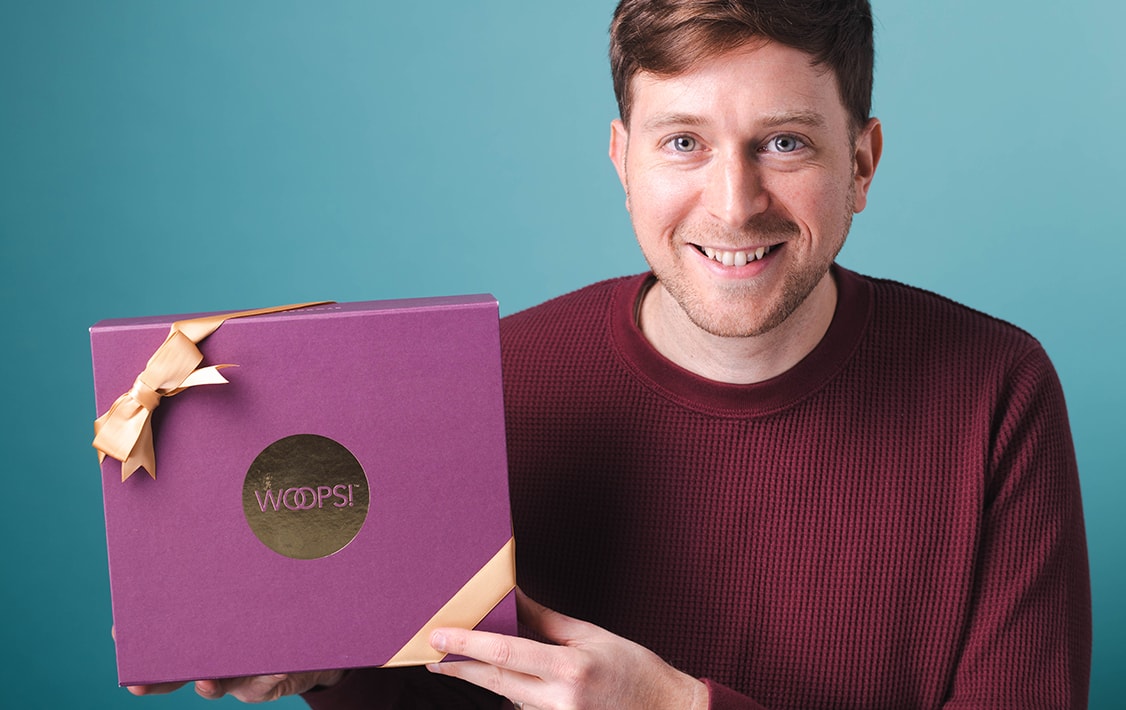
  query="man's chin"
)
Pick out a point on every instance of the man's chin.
point(736, 327)
point(739, 312)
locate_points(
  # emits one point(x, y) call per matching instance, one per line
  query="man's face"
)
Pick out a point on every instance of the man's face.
point(741, 179)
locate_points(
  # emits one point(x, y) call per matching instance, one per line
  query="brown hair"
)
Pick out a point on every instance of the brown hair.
point(668, 37)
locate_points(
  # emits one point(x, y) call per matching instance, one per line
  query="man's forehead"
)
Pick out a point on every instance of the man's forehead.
point(792, 56)
point(783, 84)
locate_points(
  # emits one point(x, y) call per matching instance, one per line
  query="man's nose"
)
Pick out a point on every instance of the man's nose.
point(735, 191)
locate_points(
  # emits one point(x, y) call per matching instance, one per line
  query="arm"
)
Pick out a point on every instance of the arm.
point(1028, 638)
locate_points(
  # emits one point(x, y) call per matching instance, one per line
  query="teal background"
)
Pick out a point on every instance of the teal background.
point(166, 157)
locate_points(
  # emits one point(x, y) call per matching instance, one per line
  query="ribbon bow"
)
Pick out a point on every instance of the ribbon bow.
point(125, 431)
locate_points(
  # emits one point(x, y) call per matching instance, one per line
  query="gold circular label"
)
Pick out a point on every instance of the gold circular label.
point(305, 496)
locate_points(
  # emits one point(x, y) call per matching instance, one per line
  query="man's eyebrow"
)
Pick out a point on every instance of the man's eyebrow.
point(812, 119)
point(665, 120)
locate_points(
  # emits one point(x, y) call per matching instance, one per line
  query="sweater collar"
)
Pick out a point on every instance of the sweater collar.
point(814, 371)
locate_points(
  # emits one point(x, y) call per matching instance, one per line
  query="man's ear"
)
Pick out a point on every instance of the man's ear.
point(619, 146)
point(869, 148)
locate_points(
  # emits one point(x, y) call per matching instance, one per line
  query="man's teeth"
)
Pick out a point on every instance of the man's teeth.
point(736, 258)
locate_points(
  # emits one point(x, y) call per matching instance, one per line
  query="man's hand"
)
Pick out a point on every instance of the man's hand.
point(251, 689)
point(590, 668)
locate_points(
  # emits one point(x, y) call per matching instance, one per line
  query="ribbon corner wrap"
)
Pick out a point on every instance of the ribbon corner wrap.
point(465, 609)
point(124, 432)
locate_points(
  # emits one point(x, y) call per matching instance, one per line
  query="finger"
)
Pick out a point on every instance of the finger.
point(261, 688)
point(249, 689)
point(508, 652)
point(209, 688)
point(504, 682)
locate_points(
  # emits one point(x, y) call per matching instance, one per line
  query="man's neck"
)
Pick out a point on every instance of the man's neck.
point(737, 360)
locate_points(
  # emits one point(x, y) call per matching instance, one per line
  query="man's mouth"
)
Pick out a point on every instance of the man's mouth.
point(736, 258)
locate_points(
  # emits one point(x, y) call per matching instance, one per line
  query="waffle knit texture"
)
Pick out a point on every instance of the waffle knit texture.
point(895, 522)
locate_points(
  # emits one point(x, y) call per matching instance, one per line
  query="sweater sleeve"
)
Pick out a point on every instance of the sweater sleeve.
point(1027, 642)
point(721, 697)
point(1027, 638)
point(412, 688)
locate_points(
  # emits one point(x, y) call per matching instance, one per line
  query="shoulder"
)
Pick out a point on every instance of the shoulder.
point(925, 352)
point(970, 377)
point(942, 333)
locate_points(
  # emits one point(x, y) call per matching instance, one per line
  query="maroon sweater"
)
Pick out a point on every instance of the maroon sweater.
point(893, 523)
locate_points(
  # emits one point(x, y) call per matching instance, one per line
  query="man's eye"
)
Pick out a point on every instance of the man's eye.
point(785, 144)
point(683, 144)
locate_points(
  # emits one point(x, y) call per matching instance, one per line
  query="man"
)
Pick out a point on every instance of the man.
point(787, 485)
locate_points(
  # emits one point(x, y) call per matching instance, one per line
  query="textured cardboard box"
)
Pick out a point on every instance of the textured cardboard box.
point(251, 552)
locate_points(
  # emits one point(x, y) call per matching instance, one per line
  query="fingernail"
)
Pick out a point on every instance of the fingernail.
point(438, 641)
point(434, 667)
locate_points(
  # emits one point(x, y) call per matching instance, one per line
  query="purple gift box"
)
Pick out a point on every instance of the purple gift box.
point(345, 491)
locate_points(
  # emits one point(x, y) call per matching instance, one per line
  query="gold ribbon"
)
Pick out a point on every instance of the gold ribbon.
point(466, 609)
point(125, 431)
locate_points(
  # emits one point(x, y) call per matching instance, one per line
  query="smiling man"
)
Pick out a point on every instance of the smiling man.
point(762, 480)
point(751, 478)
